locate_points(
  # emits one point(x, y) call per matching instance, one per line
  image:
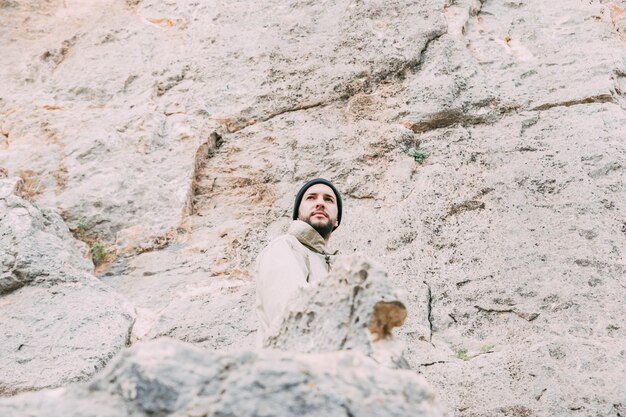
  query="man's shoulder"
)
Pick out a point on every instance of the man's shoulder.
point(280, 246)
point(281, 240)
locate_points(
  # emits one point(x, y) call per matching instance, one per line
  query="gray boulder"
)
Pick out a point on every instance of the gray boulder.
point(36, 242)
point(355, 308)
point(59, 323)
point(165, 377)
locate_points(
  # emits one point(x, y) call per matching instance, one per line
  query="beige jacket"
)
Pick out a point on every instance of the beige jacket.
point(290, 261)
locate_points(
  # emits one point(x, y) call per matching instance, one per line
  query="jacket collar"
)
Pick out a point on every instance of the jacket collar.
point(309, 237)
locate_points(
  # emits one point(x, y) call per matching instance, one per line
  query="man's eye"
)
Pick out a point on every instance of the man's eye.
point(329, 199)
point(310, 197)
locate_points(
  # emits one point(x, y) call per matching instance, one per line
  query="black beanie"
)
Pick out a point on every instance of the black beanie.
point(307, 186)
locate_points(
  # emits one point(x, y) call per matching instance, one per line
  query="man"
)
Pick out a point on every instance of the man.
point(301, 256)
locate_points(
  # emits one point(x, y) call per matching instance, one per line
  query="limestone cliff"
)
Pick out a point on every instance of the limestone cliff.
point(480, 147)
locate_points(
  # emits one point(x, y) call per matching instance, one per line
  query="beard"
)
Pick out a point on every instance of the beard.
point(323, 228)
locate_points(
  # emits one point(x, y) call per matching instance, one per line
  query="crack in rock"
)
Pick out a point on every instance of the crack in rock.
point(526, 316)
point(447, 118)
point(426, 365)
point(597, 99)
point(237, 124)
point(204, 152)
point(429, 308)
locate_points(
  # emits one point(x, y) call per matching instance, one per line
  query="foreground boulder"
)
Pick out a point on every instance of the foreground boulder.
point(59, 323)
point(166, 377)
point(355, 308)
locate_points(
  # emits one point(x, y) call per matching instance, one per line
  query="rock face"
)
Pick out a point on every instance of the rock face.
point(166, 377)
point(176, 295)
point(38, 248)
point(354, 309)
point(146, 104)
point(478, 145)
point(59, 323)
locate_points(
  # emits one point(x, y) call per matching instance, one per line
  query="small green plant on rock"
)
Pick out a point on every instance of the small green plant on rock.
point(461, 353)
point(419, 156)
point(210, 153)
point(81, 230)
point(99, 253)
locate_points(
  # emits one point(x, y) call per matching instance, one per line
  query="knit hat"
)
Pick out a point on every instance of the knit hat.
point(306, 186)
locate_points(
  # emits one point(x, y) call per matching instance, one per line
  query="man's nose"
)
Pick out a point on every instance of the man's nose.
point(319, 202)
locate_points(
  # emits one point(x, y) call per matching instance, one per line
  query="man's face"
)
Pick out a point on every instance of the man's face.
point(319, 209)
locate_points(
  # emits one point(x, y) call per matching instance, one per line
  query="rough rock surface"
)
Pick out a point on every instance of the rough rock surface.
point(479, 146)
point(116, 91)
point(166, 377)
point(354, 309)
point(59, 323)
point(37, 246)
point(176, 295)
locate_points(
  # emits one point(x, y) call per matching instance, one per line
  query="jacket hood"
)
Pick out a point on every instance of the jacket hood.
point(309, 237)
